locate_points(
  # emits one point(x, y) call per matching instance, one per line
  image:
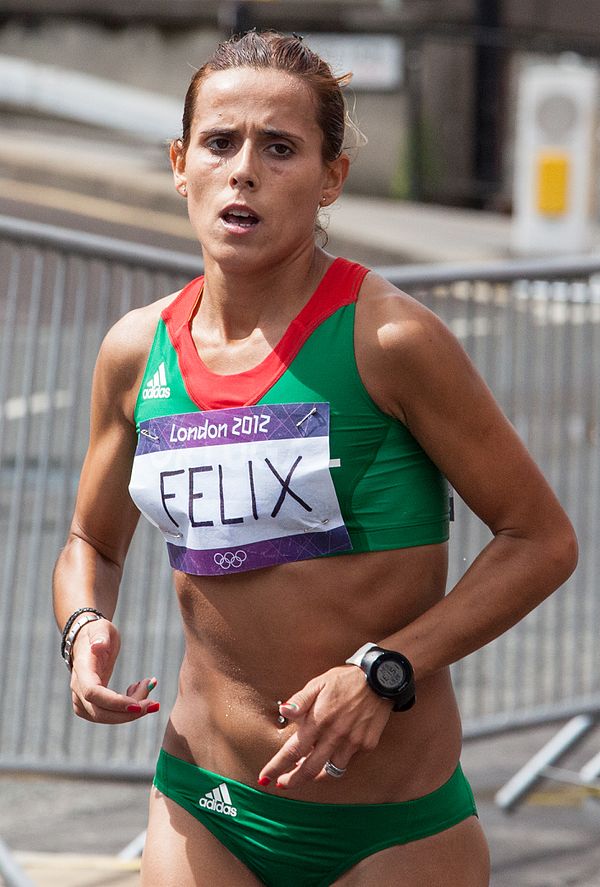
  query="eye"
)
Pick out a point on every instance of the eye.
point(218, 144)
point(280, 149)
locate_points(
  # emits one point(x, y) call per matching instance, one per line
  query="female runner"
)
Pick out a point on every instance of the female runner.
point(289, 421)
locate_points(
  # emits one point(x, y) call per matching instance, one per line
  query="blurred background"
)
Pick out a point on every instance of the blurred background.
point(476, 191)
point(435, 90)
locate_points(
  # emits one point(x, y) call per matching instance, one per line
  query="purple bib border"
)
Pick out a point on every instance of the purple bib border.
point(257, 555)
point(233, 425)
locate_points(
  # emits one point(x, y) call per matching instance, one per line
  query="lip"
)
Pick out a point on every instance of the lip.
point(239, 207)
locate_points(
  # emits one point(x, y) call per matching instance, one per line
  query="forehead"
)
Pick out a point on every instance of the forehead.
point(263, 96)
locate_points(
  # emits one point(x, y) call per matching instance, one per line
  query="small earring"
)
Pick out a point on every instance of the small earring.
point(183, 190)
point(323, 200)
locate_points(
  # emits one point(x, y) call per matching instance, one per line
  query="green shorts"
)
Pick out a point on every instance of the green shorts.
point(289, 843)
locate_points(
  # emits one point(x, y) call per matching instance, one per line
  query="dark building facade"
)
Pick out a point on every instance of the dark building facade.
point(442, 133)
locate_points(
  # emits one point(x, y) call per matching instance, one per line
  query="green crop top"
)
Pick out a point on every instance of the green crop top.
point(288, 461)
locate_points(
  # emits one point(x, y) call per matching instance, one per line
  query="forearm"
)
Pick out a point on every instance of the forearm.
point(84, 578)
point(508, 579)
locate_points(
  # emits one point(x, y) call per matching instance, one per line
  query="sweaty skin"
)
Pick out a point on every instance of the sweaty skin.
point(284, 632)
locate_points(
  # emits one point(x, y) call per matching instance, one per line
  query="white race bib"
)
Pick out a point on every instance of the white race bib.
point(241, 488)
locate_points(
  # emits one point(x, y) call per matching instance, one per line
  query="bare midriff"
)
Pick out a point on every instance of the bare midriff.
point(255, 638)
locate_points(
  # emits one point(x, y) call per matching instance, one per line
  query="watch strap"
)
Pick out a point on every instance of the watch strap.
point(406, 698)
point(404, 705)
point(357, 658)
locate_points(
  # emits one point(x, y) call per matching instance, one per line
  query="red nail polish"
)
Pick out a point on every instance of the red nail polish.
point(154, 706)
point(264, 780)
point(279, 785)
point(134, 709)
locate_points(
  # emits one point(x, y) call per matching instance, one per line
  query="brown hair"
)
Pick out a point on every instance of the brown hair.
point(269, 49)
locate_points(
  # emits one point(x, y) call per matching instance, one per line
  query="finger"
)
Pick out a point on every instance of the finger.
point(141, 689)
point(103, 697)
point(289, 710)
point(83, 708)
point(110, 707)
point(287, 758)
point(114, 716)
point(312, 767)
point(95, 651)
point(341, 758)
point(298, 705)
point(98, 637)
point(103, 644)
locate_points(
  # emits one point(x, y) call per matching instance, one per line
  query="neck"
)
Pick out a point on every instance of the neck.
point(238, 300)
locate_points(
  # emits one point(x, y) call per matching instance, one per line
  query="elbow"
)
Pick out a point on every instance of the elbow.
point(565, 552)
point(574, 551)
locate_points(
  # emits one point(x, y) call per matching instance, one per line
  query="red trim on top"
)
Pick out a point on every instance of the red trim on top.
point(339, 286)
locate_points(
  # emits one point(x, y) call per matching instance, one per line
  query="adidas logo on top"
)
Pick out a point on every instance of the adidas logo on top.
point(218, 800)
point(157, 385)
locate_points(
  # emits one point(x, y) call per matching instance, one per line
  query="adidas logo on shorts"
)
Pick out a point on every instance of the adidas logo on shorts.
point(219, 801)
point(157, 386)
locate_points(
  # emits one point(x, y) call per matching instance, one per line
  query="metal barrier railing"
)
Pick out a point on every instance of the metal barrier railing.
point(11, 872)
point(533, 329)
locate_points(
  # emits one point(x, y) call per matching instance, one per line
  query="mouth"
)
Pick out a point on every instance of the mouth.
point(239, 217)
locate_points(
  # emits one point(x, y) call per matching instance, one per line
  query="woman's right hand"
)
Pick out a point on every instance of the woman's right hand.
point(94, 655)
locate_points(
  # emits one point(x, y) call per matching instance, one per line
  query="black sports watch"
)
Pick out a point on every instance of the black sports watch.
point(389, 674)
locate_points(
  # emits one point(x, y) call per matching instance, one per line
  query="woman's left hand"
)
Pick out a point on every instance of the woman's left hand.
point(336, 715)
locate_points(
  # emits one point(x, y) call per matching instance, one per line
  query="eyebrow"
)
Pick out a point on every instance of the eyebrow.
point(282, 134)
point(268, 132)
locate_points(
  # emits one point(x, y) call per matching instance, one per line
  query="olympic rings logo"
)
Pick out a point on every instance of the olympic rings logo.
point(229, 559)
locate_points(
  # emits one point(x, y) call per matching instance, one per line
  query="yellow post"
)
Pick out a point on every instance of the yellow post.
point(552, 183)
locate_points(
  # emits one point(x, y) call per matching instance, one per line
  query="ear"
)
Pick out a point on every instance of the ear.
point(177, 158)
point(335, 176)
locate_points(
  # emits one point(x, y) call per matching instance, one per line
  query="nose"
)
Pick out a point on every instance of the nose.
point(243, 169)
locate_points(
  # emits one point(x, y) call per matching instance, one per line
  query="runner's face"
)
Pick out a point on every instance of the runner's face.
point(254, 170)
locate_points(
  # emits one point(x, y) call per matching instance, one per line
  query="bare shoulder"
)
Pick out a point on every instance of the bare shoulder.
point(398, 318)
point(124, 352)
point(130, 338)
point(400, 343)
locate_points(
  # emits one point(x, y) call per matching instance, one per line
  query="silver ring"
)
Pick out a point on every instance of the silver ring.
point(334, 771)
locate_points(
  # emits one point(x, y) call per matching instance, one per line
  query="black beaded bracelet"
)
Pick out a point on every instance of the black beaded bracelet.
point(70, 622)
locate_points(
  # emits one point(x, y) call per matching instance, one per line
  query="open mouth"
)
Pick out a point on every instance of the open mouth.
point(240, 218)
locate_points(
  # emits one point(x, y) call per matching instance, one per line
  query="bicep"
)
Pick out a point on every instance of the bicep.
point(105, 516)
point(480, 453)
point(451, 412)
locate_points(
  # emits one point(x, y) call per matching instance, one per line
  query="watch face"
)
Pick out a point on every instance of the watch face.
point(390, 674)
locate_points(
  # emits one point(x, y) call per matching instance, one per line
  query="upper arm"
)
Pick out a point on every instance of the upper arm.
point(105, 516)
point(417, 371)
